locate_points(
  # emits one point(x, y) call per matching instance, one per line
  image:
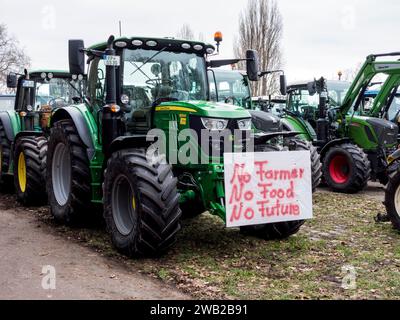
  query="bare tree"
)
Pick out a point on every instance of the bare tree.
point(351, 73)
point(185, 33)
point(12, 57)
point(261, 28)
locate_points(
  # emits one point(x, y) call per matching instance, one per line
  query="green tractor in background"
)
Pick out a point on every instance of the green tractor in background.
point(354, 145)
point(233, 87)
point(24, 130)
point(99, 150)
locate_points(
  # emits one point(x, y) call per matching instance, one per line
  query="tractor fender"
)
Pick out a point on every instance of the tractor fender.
point(80, 123)
point(333, 143)
point(6, 121)
point(76, 116)
point(126, 142)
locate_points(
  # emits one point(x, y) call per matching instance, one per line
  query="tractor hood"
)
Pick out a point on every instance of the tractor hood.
point(266, 121)
point(205, 109)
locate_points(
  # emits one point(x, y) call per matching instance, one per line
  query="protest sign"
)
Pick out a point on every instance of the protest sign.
point(267, 187)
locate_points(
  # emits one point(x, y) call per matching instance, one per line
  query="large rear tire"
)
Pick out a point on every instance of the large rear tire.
point(346, 168)
point(316, 165)
point(283, 230)
point(68, 174)
point(141, 204)
point(392, 199)
point(30, 170)
point(6, 181)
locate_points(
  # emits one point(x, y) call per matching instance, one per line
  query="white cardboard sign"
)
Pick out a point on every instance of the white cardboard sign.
point(267, 187)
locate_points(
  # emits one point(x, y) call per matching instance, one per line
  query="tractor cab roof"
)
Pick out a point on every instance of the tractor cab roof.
point(158, 44)
point(56, 73)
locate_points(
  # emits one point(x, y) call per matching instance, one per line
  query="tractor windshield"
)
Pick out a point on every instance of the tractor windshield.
point(230, 87)
point(151, 77)
point(301, 101)
point(6, 103)
point(55, 93)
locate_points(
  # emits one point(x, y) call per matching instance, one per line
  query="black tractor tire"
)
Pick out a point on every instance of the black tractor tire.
point(383, 177)
point(30, 170)
point(273, 231)
point(316, 165)
point(346, 168)
point(141, 204)
point(68, 179)
point(392, 199)
point(6, 181)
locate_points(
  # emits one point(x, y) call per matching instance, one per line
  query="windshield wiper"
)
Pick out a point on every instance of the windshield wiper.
point(141, 71)
point(148, 60)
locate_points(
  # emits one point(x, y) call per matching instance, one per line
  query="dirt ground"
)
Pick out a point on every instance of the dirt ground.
point(26, 246)
point(208, 261)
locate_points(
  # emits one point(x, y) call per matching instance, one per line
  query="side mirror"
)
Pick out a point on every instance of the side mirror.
point(283, 84)
point(312, 90)
point(12, 81)
point(252, 65)
point(76, 57)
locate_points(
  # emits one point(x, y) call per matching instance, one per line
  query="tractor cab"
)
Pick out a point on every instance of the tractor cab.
point(155, 81)
point(232, 87)
point(303, 100)
point(392, 112)
point(41, 92)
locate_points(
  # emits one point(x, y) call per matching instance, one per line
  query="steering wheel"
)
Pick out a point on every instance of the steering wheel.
point(158, 101)
point(53, 103)
point(234, 99)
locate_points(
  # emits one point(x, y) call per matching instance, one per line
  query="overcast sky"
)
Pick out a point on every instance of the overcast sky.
point(320, 37)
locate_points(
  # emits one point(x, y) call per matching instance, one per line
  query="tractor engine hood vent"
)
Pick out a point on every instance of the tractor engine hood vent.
point(266, 121)
point(385, 131)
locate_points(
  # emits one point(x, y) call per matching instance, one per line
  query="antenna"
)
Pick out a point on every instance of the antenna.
point(120, 28)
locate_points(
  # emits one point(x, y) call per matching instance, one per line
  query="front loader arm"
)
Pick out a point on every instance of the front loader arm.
point(367, 72)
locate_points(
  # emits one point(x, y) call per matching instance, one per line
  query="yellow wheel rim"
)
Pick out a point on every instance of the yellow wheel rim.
point(22, 172)
point(133, 203)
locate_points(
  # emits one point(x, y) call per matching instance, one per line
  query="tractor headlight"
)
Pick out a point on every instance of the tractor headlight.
point(244, 124)
point(214, 124)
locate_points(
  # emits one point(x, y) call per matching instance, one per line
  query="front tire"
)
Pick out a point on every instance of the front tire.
point(68, 174)
point(346, 168)
point(30, 170)
point(316, 165)
point(392, 199)
point(141, 204)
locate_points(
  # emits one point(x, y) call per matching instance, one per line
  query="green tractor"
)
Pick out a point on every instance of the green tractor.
point(233, 87)
point(99, 150)
point(24, 130)
point(354, 145)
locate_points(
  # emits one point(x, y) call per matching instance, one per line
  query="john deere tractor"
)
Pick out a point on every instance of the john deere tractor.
point(24, 130)
point(99, 150)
